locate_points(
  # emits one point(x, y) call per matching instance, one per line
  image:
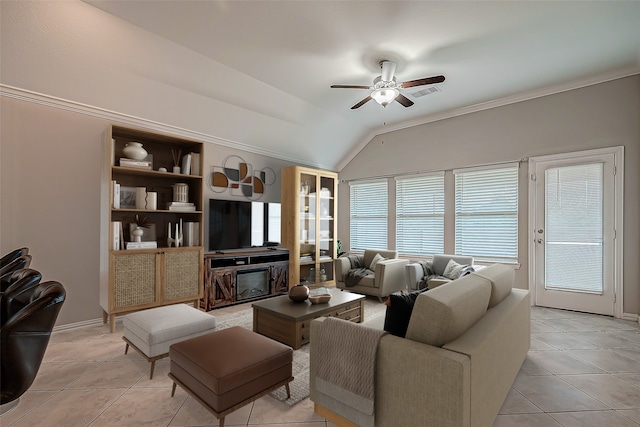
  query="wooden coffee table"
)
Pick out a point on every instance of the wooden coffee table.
point(289, 322)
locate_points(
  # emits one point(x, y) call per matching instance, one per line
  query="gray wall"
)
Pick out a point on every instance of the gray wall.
point(602, 115)
point(50, 166)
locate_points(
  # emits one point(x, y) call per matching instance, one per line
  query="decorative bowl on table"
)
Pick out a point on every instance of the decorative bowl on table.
point(319, 298)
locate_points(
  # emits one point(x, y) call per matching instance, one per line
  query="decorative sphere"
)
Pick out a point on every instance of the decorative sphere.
point(299, 293)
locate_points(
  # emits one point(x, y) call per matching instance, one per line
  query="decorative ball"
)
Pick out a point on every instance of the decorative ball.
point(299, 293)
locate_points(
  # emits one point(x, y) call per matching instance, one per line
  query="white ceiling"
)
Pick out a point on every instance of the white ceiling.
point(278, 59)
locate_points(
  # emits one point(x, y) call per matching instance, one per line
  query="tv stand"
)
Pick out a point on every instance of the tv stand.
point(267, 266)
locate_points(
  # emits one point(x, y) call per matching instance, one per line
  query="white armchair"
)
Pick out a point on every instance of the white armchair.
point(423, 274)
point(387, 277)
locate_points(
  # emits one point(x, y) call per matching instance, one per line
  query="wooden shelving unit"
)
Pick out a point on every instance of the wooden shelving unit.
point(135, 279)
point(309, 223)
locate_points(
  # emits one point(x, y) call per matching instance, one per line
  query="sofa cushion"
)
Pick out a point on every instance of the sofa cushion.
point(446, 312)
point(376, 259)
point(453, 270)
point(501, 278)
point(369, 280)
point(399, 308)
point(440, 261)
point(369, 254)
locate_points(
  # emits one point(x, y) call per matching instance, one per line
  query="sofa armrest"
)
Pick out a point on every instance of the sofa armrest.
point(413, 273)
point(343, 265)
point(389, 275)
point(416, 384)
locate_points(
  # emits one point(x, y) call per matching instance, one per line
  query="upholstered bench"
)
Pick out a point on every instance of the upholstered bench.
point(151, 332)
point(227, 369)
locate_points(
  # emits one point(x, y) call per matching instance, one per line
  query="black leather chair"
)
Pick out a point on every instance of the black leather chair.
point(11, 277)
point(24, 339)
point(23, 261)
point(16, 253)
point(17, 290)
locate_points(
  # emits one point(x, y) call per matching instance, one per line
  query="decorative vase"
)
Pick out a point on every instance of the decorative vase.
point(299, 293)
point(134, 150)
point(180, 192)
point(141, 196)
point(137, 234)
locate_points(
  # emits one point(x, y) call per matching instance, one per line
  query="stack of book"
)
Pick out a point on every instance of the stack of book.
point(139, 164)
point(181, 206)
point(142, 245)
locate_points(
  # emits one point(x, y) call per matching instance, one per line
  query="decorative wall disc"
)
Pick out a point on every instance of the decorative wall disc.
point(238, 177)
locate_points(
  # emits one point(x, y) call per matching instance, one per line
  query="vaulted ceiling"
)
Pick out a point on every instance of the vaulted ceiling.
point(267, 66)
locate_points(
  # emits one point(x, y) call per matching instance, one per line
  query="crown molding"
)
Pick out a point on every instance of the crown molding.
point(125, 119)
point(500, 102)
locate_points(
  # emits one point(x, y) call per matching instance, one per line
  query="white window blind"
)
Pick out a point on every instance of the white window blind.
point(420, 215)
point(368, 217)
point(574, 228)
point(487, 214)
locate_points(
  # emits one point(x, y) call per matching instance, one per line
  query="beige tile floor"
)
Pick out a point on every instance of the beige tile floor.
point(582, 370)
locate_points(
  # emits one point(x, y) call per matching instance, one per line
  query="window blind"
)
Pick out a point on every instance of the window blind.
point(486, 214)
point(420, 215)
point(368, 216)
point(574, 228)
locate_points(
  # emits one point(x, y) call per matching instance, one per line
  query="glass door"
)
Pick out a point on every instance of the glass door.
point(574, 234)
point(307, 226)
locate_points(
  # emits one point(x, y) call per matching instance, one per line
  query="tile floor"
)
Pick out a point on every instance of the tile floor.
point(582, 370)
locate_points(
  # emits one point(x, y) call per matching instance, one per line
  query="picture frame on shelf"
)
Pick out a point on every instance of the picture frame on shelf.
point(127, 197)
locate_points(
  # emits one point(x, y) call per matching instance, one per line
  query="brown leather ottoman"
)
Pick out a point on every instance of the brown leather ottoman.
point(227, 369)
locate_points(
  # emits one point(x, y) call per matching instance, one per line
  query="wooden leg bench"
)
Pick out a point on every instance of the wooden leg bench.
point(151, 332)
point(227, 369)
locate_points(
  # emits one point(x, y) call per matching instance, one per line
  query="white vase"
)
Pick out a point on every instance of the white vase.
point(134, 150)
point(141, 196)
point(152, 201)
point(137, 234)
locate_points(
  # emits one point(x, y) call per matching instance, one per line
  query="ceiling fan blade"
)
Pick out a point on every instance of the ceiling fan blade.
point(350, 87)
point(364, 101)
point(425, 81)
point(388, 70)
point(404, 100)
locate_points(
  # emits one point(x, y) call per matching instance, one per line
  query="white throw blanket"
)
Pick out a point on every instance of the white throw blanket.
point(346, 356)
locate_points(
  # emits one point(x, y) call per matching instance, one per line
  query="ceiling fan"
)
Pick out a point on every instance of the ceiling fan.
point(385, 89)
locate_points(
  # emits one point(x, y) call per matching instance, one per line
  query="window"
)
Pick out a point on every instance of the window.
point(420, 214)
point(486, 215)
point(368, 217)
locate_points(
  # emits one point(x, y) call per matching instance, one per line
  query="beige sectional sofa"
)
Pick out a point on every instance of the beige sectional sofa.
point(464, 346)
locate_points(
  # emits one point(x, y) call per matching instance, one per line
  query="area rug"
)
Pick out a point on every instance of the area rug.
point(299, 387)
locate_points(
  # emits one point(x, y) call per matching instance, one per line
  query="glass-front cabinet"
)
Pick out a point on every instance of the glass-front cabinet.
point(309, 212)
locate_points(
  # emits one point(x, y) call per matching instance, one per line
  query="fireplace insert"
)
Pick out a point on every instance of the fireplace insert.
point(252, 283)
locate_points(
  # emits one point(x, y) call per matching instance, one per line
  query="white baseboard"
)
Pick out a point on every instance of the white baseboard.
point(630, 317)
point(84, 323)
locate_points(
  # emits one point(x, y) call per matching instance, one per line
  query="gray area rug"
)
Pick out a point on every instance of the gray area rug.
point(299, 387)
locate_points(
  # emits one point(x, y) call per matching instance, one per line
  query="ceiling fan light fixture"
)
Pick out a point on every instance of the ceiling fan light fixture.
point(384, 96)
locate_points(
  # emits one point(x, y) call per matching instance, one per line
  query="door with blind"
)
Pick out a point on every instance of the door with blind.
point(574, 232)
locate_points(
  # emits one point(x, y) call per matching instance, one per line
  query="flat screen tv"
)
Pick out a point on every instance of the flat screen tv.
point(237, 224)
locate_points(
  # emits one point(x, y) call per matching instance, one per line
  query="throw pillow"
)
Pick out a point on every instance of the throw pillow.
point(399, 308)
point(376, 259)
point(453, 270)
